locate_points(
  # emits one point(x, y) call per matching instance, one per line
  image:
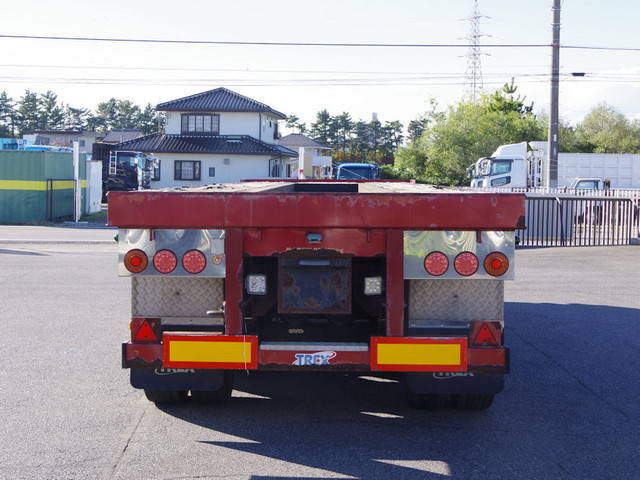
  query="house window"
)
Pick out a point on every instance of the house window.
point(212, 171)
point(288, 170)
point(156, 171)
point(200, 124)
point(82, 143)
point(186, 170)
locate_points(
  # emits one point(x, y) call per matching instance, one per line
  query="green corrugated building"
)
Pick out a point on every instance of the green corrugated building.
point(37, 186)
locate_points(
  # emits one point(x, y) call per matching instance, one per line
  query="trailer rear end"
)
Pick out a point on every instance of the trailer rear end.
point(382, 277)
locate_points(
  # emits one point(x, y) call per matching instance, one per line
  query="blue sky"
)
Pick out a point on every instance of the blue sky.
point(149, 74)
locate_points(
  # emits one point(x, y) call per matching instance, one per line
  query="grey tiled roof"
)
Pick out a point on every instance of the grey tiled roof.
point(123, 135)
point(217, 100)
point(223, 144)
point(296, 140)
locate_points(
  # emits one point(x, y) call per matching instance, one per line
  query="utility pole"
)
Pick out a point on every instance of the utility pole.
point(551, 172)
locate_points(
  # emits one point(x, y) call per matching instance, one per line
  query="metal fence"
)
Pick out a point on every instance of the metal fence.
point(579, 221)
point(568, 192)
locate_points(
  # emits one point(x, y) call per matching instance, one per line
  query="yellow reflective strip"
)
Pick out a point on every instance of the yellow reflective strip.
point(418, 354)
point(39, 185)
point(22, 185)
point(62, 184)
point(218, 352)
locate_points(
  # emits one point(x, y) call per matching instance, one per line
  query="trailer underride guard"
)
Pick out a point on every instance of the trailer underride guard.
point(350, 276)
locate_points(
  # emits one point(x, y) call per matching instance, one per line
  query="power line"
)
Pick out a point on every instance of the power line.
point(313, 44)
point(275, 83)
point(246, 70)
point(270, 44)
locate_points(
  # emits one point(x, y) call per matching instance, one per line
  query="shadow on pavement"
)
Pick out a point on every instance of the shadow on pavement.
point(563, 414)
point(21, 252)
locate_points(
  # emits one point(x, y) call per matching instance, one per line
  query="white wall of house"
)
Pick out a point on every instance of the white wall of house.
point(256, 125)
point(232, 170)
point(173, 123)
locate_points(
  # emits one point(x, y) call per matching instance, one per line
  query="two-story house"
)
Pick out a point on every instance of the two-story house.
point(217, 136)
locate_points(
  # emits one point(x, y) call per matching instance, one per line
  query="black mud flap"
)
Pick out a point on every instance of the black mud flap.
point(177, 379)
point(453, 383)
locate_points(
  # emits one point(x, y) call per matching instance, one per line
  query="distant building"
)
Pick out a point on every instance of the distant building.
point(62, 138)
point(312, 159)
point(122, 135)
point(217, 136)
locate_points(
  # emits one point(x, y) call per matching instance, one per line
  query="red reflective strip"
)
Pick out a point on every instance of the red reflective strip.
point(358, 242)
point(288, 358)
point(149, 353)
point(484, 357)
point(433, 211)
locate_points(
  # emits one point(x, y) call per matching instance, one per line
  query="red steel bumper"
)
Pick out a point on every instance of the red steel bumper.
point(398, 354)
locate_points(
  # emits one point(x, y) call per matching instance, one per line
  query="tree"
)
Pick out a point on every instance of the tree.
point(419, 125)
point(392, 137)
point(150, 121)
point(28, 112)
point(342, 129)
point(608, 131)
point(51, 113)
point(76, 118)
point(294, 123)
point(7, 115)
point(321, 129)
point(116, 113)
point(467, 131)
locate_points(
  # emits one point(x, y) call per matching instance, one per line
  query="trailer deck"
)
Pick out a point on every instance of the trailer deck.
point(335, 204)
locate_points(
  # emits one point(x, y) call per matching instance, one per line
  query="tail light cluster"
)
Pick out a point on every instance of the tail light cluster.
point(466, 264)
point(165, 261)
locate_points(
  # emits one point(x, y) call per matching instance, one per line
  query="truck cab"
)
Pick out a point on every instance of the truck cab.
point(358, 171)
point(507, 167)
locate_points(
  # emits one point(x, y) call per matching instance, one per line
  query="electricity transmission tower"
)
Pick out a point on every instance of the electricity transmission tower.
point(474, 71)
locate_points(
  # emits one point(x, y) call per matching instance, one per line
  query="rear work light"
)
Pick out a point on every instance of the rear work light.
point(194, 261)
point(373, 285)
point(486, 333)
point(145, 330)
point(466, 264)
point(135, 261)
point(436, 263)
point(496, 264)
point(165, 261)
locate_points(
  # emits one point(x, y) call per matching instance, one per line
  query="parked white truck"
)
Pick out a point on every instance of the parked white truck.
point(522, 165)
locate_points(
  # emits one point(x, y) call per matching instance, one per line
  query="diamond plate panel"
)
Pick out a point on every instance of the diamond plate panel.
point(175, 296)
point(455, 300)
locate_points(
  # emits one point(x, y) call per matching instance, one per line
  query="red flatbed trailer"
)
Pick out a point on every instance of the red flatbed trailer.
point(306, 275)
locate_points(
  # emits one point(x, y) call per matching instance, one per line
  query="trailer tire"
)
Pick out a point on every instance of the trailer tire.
point(220, 395)
point(165, 397)
point(473, 401)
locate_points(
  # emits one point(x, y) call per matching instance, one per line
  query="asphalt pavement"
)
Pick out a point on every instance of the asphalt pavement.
point(70, 233)
point(570, 409)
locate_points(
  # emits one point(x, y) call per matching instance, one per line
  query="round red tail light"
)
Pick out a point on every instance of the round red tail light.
point(165, 261)
point(436, 263)
point(496, 264)
point(466, 263)
point(135, 261)
point(194, 261)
